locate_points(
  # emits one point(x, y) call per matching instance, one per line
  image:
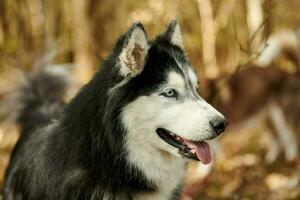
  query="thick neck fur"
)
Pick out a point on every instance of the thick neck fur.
point(96, 132)
point(99, 141)
point(99, 144)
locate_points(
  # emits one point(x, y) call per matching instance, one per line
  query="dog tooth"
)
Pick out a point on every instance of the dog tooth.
point(193, 151)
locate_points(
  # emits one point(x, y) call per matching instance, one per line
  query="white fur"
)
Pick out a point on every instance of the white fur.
point(176, 80)
point(144, 147)
point(188, 118)
point(193, 77)
point(176, 38)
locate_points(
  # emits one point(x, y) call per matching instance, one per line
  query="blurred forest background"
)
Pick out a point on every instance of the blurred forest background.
point(248, 56)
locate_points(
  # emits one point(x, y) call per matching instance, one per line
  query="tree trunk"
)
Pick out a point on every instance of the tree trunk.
point(255, 22)
point(82, 40)
point(208, 38)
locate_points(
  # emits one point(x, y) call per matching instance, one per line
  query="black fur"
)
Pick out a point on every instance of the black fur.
point(77, 151)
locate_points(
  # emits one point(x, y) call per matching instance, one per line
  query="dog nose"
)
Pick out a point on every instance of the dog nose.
point(219, 124)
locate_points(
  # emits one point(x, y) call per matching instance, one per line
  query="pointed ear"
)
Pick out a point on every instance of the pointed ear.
point(173, 33)
point(134, 48)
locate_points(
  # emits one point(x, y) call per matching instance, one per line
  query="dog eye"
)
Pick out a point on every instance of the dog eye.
point(170, 93)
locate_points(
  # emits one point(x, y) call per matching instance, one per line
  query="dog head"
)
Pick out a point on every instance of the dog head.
point(163, 108)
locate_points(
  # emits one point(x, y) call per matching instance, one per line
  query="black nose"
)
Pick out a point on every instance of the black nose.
point(219, 124)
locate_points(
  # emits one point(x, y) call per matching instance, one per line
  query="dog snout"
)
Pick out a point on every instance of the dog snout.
point(219, 124)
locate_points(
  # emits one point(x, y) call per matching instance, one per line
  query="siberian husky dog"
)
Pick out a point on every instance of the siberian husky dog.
point(126, 135)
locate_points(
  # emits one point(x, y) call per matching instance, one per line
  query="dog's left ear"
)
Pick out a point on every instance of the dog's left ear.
point(173, 34)
point(134, 48)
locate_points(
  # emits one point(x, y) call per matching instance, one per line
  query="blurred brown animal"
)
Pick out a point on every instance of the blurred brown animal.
point(255, 93)
point(264, 91)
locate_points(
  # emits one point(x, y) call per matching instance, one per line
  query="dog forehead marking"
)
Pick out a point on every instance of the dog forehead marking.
point(185, 80)
point(190, 79)
point(176, 79)
point(188, 73)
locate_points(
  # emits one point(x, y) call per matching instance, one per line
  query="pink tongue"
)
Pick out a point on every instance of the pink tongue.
point(202, 150)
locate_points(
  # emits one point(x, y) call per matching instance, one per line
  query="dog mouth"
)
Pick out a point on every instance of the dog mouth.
point(195, 150)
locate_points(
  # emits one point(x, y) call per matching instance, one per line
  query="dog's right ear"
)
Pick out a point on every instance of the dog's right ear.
point(173, 34)
point(133, 47)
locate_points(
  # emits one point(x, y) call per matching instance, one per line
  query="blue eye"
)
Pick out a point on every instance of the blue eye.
point(170, 93)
